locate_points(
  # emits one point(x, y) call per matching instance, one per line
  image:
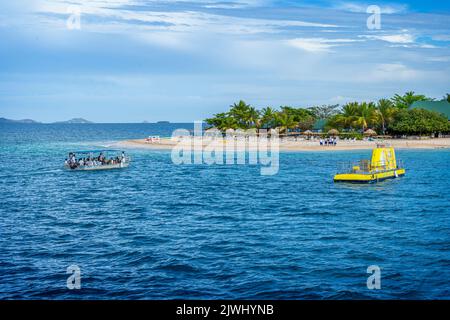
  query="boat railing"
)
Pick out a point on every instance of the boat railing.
point(366, 166)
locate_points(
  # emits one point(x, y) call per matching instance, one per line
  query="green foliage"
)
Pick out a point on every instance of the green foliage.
point(244, 116)
point(222, 121)
point(419, 122)
point(268, 118)
point(406, 101)
point(285, 121)
point(324, 112)
point(354, 115)
point(385, 116)
point(303, 118)
point(447, 97)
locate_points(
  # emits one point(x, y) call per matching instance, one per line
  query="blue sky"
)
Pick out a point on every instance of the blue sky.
point(134, 60)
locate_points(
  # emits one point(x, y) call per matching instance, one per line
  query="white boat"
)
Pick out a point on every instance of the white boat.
point(93, 160)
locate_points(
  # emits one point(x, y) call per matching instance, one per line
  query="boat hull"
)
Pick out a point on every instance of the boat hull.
point(98, 168)
point(371, 177)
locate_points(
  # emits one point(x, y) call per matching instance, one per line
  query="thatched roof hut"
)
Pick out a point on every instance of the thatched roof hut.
point(370, 132)
point(333, 132)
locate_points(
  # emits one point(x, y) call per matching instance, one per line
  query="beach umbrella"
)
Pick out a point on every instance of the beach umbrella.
point(333, 132)
point(308, 133)
point(370, 132)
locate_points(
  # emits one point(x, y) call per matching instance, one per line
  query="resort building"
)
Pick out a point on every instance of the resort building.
point(437, 106)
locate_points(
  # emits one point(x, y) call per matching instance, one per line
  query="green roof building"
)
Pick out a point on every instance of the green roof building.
point(437, 106)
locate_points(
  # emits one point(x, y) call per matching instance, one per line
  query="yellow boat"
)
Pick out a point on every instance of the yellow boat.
point(382, 166)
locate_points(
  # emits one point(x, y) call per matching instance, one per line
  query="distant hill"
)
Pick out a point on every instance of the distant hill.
point(75, 121)
point(4, 120)
point(161, 122)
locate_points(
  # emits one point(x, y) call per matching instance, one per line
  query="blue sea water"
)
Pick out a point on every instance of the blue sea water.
point(162, 231)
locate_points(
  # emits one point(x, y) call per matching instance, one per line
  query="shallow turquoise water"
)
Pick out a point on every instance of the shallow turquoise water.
point(161, 231)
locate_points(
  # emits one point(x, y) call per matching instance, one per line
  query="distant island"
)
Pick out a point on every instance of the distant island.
point(4, 120)
point(29, 121)
point(75, 121)
point(163, 122)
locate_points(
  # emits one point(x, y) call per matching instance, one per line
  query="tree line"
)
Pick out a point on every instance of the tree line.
point(386, 116)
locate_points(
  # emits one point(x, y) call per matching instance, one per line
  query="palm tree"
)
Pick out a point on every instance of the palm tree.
point(254, 118)
point(222, 121)
point(228, 123)
point(285, 122)
point(245, 115)
point(268, 118)
point(347, 118)
point(385, 111)
point(406, 101)
point(366, 115)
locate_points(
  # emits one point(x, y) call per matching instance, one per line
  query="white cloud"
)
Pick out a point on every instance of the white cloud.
point(179, 21)
point(317, 44)
point(362, 8)
point(403, 38)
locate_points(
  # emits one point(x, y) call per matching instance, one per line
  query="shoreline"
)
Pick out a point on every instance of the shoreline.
point(308, 146)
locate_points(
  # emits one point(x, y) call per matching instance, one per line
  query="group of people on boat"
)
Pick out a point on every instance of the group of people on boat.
point(72, 162)
point(332, 141)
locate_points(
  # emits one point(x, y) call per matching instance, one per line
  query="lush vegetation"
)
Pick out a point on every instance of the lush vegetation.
point(387, 116)
point(244, 116)
point(419, 122)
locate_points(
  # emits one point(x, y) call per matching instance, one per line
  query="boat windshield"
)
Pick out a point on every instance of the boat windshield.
point(93, 158)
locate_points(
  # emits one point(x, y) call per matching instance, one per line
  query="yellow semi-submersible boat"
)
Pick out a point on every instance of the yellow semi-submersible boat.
point(382, 166)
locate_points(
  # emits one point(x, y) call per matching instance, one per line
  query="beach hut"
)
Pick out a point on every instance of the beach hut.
point(333, 132)
point(370, 133)
point(308, 133)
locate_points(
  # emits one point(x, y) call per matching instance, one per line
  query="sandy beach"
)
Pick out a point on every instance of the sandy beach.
point(291, 144)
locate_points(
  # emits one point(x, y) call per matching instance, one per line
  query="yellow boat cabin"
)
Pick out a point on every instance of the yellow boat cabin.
point(382, 166)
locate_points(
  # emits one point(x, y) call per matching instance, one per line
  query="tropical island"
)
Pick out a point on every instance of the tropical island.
point(407, 115)
point(404, 121)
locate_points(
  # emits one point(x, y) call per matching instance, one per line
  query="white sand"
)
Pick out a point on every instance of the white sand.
point(303, 145)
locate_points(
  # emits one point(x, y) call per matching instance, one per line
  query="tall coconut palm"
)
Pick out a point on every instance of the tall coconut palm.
point(253, 118)
point(244, 114)
point(386, 112)
point(268, 118)
point(347, 118)
point(366, 115)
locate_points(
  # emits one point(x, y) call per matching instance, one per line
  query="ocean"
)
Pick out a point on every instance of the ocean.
point(162, 231)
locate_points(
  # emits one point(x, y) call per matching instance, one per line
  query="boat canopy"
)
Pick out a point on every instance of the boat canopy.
point(97, 151)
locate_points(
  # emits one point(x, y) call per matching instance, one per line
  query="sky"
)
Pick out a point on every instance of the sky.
point(184, 60)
